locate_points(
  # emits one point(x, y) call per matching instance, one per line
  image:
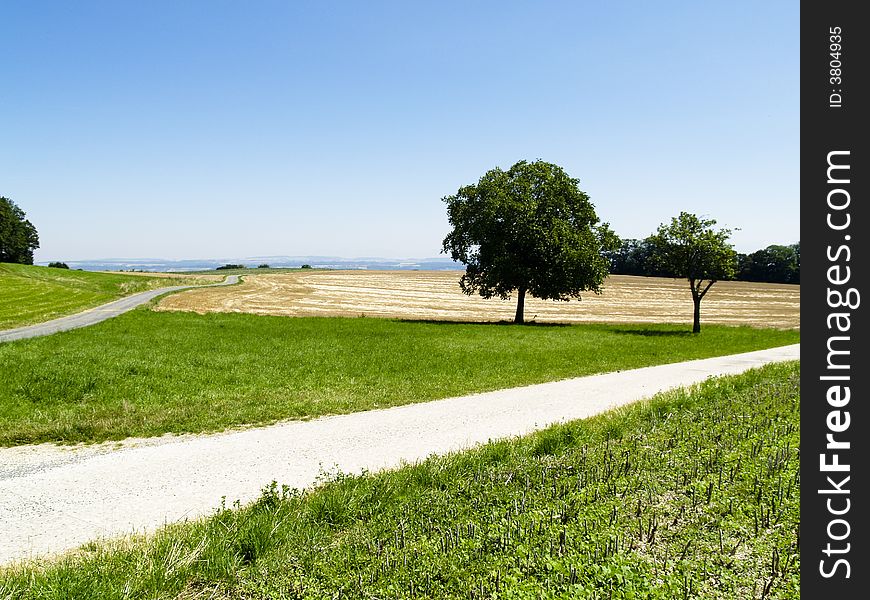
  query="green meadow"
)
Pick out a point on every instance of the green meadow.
point(31, 294)
point(147, 373)
point(694, 494)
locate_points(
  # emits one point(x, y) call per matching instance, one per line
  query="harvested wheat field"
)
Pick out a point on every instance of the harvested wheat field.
point(436, 295)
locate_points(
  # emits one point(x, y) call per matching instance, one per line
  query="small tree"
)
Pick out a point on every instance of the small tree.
point(58, 265)
point(689, 247)
point(18, 237)
point(529, 229)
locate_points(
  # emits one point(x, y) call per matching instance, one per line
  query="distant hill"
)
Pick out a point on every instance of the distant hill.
point(322, 262)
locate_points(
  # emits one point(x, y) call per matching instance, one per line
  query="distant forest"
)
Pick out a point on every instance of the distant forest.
point(774, 264)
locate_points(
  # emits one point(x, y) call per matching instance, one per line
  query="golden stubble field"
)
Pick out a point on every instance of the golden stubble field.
point(436, 295)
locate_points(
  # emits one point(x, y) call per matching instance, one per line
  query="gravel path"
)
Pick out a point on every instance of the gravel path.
point(55, 499)
point(100, 313)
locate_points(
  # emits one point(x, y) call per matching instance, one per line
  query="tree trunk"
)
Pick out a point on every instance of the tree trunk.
point(696, 326)
point(521, 303)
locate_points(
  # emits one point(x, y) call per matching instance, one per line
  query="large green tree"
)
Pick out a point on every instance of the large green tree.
point(690, 247)
point(529, 229)
point(18, 237)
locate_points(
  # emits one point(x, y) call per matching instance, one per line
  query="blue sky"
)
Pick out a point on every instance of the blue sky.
point(231, 129)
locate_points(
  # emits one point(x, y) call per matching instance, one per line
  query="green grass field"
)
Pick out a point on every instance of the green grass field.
point(690, 495)
point(30, 294)
point(146, 373)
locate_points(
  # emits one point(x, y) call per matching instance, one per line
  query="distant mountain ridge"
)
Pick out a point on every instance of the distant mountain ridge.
point(323, 262)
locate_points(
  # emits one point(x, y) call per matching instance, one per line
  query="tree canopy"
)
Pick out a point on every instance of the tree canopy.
point(776, 264)
point(689, 247)
point(632, 257)
point(529, 229)
point(18, 237)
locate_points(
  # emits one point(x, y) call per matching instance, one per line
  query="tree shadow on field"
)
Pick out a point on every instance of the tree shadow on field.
point(652, 332)
point(482, 323)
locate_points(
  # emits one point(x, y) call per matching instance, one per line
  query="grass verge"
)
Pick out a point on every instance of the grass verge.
point(146, 373)
point(692, 494)
point(32, 294)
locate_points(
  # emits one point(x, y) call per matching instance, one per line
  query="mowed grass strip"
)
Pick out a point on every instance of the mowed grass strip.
point(31, 294)
point(147, 373)
point(690, 495)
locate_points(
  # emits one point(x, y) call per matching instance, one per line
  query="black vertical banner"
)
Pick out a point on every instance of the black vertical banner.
point(835, 363)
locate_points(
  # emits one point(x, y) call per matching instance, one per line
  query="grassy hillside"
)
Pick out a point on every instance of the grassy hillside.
point(146, 373)
point(30, 294)
point(691, 495)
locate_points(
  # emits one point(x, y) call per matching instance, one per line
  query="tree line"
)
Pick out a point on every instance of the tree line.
point(774, 264)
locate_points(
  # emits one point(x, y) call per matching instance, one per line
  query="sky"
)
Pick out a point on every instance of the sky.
point(231, 129)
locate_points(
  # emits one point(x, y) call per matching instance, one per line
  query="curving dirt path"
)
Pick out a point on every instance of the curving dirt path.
point(55, 499)
point(98, 314)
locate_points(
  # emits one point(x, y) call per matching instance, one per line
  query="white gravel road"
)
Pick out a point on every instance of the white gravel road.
point(99, 313)
point(53, 499)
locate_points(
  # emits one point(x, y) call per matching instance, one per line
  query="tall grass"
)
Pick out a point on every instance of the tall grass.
point(693, 494)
